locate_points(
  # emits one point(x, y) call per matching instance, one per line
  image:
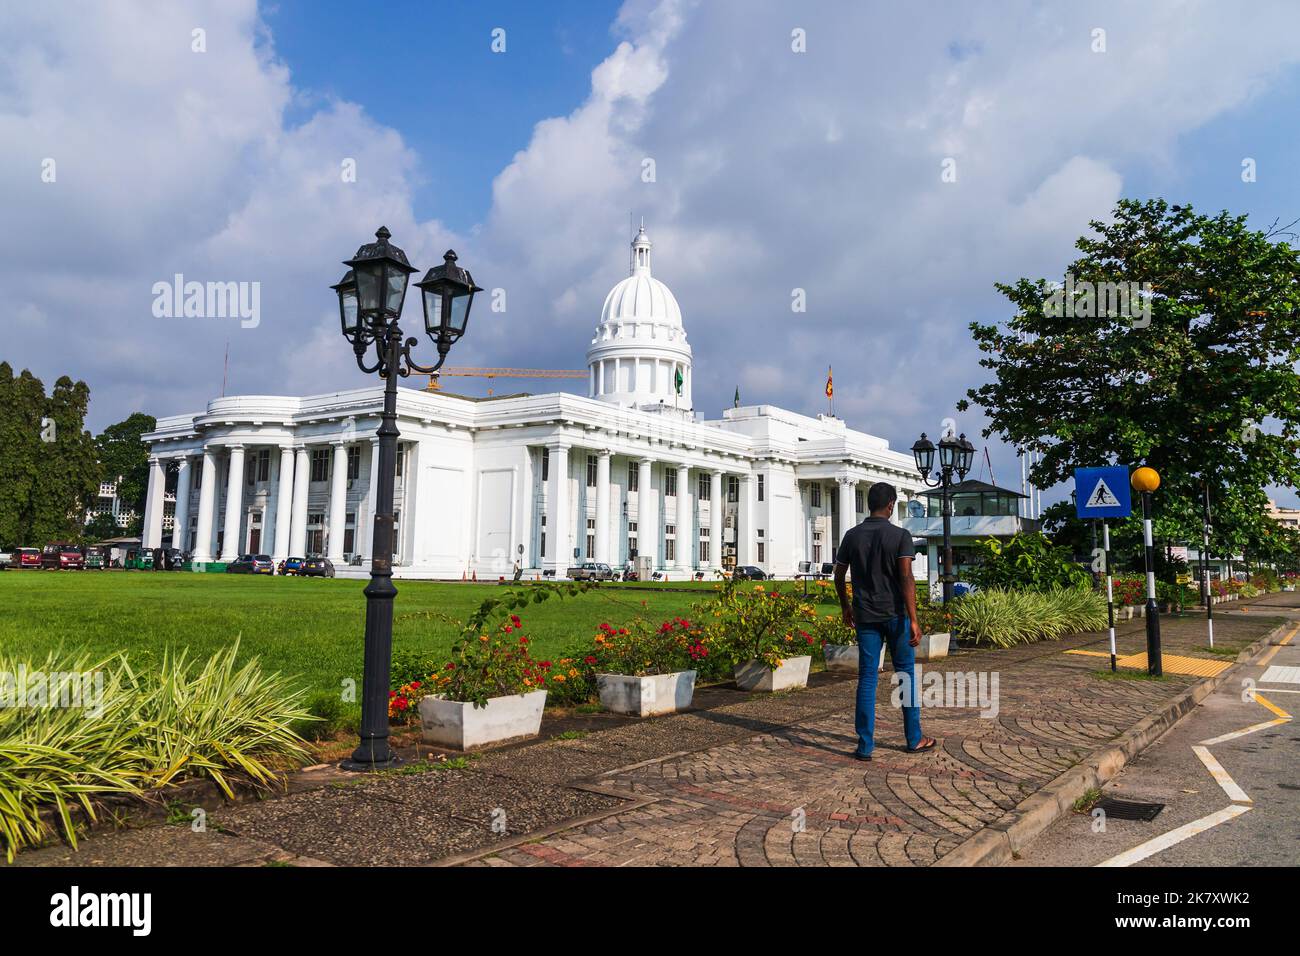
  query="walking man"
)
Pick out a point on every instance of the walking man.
point(879, 555)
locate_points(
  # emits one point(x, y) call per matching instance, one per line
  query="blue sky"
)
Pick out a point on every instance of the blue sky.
point(465, 109)
point(775, 170)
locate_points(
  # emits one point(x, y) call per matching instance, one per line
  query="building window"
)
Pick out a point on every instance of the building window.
point(670, 542)
point(815, 498)
point(760, 487)
point(315, 534)
point(196, 478)
point(704, 548)
point(631, 539)
point(591, 537)
point(703, 488)
point(670, 483)
point(397, 530)
point(762, 551)
point(857, 499)
point(543, 547)
point(591, 471)
point(320, 464)
point(733, 488)
point(350, 534)
point(817, 547)
point(354, 462)
point(546, 465)
point(633, 476)
point(264, 465)
point(401, 462)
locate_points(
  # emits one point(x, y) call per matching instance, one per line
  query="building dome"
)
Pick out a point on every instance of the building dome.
point(640, 355)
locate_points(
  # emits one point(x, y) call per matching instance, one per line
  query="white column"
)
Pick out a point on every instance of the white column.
point(848, 509)
point(685, 519)
point(338, 518)
point(602, 506)
point(557, 510)
point(647, 514)
point(298, 521)
point(746, 535)
point(181, 520)
point(231, 545)
point(154, 503)
point(284, 504)
point(207, 507)
point(365, 539)
point(717, 519)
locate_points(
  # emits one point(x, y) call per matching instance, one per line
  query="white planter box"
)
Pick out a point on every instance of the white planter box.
point(755, 675)
point(646, 696)
point(933, 646)
point(462, 726)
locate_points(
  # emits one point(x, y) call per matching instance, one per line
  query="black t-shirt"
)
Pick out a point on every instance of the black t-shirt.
point(871, 551)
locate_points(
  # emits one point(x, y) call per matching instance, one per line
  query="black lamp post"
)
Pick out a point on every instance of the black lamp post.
point(955, 455)
point(370, 306)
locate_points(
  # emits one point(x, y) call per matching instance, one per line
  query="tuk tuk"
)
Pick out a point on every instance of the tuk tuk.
point(139, 559)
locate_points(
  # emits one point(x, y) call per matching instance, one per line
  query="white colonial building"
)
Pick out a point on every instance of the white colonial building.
point(545, 480)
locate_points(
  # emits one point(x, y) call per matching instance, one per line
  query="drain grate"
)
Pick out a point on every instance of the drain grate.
point(1128, 809)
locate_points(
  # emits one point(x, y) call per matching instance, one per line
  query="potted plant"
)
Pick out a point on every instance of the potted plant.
point(492, 690)
point(642, 670)
point(936, 631)
point(762, 631)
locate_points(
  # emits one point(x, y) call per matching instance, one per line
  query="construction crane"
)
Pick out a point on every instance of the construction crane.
point(462, 371)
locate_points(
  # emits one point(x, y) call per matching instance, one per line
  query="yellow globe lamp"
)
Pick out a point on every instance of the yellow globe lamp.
point(1145, 479)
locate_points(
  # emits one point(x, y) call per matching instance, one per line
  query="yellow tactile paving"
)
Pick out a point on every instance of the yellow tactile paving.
point(1172, 663)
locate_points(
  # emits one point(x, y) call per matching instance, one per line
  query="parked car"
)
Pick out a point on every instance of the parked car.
point(317, 568)
point(5, 558)
point(749, 572)
point(251, 564)
point(95, 559)
point(63, 557)
point(591, 571)
point(291, 566)
point(26, 558)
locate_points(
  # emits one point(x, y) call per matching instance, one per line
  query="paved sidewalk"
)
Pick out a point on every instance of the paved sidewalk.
point(751, 780)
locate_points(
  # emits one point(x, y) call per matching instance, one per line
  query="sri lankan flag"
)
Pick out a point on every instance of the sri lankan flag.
point(677, 381)
point(830, 383)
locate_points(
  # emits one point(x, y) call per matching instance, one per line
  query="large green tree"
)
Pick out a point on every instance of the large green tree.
point(1171, 342)
point(48, 466)
point(124, 458)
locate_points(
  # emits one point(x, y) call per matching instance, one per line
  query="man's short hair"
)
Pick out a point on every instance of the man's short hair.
point(880, 494)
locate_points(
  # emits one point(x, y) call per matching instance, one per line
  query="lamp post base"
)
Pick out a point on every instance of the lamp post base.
point(361, 760)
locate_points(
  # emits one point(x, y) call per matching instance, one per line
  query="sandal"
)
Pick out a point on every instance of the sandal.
point(927, 743)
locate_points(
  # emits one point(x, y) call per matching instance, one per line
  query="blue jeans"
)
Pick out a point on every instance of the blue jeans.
point(872, 637)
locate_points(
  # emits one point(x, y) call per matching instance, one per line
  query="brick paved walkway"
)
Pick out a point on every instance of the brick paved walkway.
point(749, 780)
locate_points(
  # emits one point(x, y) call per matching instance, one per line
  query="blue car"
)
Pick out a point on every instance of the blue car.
point(292, 565)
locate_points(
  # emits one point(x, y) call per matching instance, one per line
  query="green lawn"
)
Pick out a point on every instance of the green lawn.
point(306, 627)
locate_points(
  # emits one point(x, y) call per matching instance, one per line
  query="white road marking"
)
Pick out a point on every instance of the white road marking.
point(1249, 730)
point(1280, 674)
point(1234, 792)
point(1166, 840)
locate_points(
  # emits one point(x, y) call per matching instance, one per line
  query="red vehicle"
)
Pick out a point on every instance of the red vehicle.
point(63, 557)
point(25, 558)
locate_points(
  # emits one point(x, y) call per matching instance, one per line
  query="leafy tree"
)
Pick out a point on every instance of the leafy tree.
point(48, 470)
point(1029, 561)
point(102, 527)
point(124, 458)
point(1183, 382)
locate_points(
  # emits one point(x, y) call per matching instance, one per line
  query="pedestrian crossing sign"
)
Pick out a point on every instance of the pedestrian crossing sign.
point(1102, 492)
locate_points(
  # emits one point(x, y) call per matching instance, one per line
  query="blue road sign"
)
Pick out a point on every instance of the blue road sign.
point(1102, 492)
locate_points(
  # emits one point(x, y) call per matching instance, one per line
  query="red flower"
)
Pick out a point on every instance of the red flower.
point(523, 640)
point(589, 659)
point(415, 685)
point(508, 628)
point(392, 693)
point(546, 665)
point(451, 666)
point(401, 703)
point(514, 619)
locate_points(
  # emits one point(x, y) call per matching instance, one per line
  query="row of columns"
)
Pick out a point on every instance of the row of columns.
point(559, 522)
point(291, 501)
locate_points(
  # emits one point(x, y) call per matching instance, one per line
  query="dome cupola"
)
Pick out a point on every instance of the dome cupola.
point(640, 355)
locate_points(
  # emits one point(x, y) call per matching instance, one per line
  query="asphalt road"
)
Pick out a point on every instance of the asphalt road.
point(1258, 802)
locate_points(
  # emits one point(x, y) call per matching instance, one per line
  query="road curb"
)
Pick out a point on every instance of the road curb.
point(996, 844)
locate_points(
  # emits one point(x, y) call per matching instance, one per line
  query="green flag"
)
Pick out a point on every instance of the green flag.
point(677, 381)
point(735, 402)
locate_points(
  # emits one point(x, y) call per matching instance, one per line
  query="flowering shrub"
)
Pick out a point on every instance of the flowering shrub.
point(640, 650)
point(758, 624)
point(404, 702)
point(1129, 590)
point(491, 662)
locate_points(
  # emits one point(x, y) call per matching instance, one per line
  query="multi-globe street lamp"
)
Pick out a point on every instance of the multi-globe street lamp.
point(370, 306)
point(955, 455)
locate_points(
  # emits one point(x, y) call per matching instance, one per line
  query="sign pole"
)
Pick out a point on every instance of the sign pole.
point(1205, 568)
point(1152, 609)
point(1110, 591)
